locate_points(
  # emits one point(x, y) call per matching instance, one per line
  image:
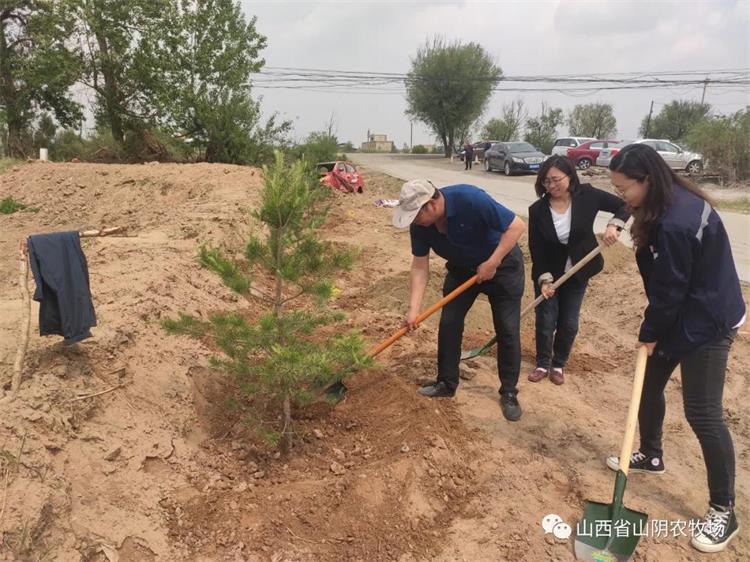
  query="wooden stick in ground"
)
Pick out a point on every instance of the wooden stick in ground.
point(102, 231)
point(23, 335)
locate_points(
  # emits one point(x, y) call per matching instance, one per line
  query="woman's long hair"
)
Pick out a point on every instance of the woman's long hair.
point(640, 162)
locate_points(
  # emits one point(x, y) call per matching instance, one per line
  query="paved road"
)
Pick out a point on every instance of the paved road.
point(517, 193)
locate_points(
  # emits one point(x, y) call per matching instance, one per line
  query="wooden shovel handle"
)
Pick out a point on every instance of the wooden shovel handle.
point(426, 314)
point(568, 274)
point(635, 402)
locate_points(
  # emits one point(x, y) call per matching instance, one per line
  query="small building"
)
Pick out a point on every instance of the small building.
point(377, 143)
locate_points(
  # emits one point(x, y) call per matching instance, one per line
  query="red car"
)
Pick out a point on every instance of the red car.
point(341, 175)
point(585, 155)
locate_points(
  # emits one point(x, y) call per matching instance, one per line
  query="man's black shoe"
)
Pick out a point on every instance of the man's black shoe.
point(510, 406)
point(437, 390)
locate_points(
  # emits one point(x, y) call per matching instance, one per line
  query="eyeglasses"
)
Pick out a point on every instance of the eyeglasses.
point(624, 190)
point(550, 180)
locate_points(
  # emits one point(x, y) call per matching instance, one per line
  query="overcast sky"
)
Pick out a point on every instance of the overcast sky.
point(524, 37)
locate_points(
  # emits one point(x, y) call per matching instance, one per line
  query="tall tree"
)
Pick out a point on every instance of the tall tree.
point(508, 127)
point(449, 86)
point(542, 129)
point(675, 120)
point(214, 52)
point(595, 120)
point(36, 68)
point(119, 45)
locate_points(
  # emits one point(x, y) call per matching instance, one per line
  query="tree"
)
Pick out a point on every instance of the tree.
point(449, 86)
point(674, 120)
point(283, 358)
point(595, 120)
point(36, 69)
point(207, 98)
point(119, 44)
point(507, 128)
point(541, 130)
point(44, 132)
point(724, 141)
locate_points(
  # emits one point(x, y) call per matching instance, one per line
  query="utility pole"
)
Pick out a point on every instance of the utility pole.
point(411, 135)
point(705, 85)
point(648, 120)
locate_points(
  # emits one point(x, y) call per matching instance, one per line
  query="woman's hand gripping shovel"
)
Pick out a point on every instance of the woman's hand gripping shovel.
point(337, 389)
point(572, 271)
point(624, 526)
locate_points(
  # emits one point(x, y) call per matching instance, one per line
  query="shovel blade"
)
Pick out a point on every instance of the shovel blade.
point(608, 533)
point(477, 351)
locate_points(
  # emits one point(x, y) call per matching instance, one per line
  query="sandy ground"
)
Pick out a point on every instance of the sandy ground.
point(161, 469)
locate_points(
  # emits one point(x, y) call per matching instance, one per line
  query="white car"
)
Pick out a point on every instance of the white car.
point(562, 144)
point(675, 156)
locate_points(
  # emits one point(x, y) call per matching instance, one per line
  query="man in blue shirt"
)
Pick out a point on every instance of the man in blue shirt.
point(475, 235)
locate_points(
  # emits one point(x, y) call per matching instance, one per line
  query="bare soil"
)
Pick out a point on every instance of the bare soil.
point(162, 468)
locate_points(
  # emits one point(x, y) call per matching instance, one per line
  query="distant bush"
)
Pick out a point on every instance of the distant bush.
point(724, 142)
point(419, 149)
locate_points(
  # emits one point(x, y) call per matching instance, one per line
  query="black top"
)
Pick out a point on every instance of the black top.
point(548, 254)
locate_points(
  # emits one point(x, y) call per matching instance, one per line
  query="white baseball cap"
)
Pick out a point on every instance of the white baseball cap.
point(414, 194)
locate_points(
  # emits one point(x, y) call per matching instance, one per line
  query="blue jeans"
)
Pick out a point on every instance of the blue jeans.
point(557, 324)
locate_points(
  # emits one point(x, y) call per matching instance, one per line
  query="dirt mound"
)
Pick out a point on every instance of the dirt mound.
point(380, 476)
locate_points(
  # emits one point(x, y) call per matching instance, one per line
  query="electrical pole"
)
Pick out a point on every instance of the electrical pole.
point(411, 134)
point(648, 120)
point(705, 85)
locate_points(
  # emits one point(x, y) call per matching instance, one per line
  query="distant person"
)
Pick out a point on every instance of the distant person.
point(561, 232)
point(475, 235)
point(468, 156)
point(695, 307)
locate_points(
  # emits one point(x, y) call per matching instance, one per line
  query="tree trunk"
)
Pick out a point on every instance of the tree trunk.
point(286, 435)
point(9, 96)
point(110, 95)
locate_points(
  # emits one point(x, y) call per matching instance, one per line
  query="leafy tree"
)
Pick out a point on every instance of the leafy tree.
point(36, 69)
point(283, 358)
point(674, 120)
point(508, 127)
point(213, 53)
point(449, 86)
point(595, 120)
point(119, 43)
point(724, 141)
point(319, 146)
point(541, 130)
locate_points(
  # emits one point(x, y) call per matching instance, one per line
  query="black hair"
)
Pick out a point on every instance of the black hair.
point(562, 163)
point(640, 162)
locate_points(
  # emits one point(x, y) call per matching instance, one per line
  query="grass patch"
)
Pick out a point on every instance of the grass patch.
point(6, 163)
point(741, 205)
point(9, 205)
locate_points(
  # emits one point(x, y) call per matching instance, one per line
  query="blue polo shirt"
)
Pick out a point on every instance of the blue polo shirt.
point(475, 223)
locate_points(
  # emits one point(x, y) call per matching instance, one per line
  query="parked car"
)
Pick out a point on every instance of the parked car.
point(675, 156)
point(562, 144)
point(511, 157)
point(608, 152)
point(586, 154)
point(341, 175)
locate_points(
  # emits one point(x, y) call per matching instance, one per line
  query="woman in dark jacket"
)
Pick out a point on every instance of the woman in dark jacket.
point(561, 232)
point(695, 306)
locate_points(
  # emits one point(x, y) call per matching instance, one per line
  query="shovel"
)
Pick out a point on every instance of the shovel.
point(622, 526)
point(572, 271)
point(337, 389)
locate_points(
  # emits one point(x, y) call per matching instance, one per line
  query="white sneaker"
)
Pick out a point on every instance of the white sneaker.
point(639, 463)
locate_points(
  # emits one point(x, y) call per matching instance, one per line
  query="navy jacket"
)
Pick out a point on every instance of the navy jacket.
point(62, 286)
point(693, 291)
